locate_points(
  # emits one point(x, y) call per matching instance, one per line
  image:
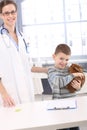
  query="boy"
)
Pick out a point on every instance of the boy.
point(59, 77)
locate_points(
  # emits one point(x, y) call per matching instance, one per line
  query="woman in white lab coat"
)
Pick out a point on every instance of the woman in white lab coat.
point(16, 84)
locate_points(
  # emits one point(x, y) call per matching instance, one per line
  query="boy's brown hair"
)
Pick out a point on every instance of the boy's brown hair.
point(64, 48)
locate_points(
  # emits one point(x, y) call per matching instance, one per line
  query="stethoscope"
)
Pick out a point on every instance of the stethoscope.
point(5, 31)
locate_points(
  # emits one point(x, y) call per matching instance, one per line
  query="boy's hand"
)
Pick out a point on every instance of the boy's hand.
point(76, 84)
point(81, 75)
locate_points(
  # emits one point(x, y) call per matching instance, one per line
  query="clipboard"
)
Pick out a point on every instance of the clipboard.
point(62, 104)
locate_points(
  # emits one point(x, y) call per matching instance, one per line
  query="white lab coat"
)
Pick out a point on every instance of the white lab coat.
point(15, 70)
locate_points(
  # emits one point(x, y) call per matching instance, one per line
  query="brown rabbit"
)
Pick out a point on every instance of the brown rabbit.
point(73, 69)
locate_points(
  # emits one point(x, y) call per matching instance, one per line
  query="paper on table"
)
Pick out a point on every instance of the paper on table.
point(62, 104)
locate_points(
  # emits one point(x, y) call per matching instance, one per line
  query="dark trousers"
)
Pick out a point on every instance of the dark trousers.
point(73, 128)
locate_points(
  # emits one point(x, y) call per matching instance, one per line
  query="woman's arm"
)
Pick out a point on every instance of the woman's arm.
point(7, 100)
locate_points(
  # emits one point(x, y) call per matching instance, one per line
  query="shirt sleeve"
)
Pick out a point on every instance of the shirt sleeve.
point(58, 80)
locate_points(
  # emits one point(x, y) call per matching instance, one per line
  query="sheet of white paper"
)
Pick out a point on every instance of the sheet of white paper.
point(62, 104)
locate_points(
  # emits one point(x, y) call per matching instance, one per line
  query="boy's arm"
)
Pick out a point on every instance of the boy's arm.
point(39, 69)
point(58, 79)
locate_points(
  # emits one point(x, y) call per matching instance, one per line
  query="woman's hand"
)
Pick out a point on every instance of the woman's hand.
point(7, 100)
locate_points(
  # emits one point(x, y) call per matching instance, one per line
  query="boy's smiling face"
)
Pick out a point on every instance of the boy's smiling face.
point(61, 60)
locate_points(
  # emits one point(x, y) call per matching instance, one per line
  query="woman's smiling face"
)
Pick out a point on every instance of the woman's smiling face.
point(9, 15)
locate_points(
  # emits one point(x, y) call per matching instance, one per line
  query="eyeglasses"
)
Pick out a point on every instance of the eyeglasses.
point(13, 12)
